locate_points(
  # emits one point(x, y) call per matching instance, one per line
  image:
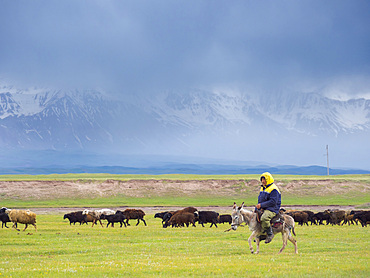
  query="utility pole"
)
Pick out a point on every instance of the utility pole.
point(327, 158)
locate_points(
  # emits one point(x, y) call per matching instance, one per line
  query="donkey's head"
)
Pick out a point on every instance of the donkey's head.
point(236, 217)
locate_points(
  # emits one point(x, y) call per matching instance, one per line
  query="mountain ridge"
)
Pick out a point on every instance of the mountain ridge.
point(193, 122)
point(194, 169)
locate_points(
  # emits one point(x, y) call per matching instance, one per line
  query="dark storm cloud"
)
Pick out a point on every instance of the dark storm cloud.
point(145, 46)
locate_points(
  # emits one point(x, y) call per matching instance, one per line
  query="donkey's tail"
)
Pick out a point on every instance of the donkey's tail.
point(293, 231)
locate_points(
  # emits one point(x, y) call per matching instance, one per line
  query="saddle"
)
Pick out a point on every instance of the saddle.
point(275, 222)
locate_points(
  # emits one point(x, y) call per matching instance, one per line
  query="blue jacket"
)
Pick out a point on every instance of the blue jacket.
point(269, 197)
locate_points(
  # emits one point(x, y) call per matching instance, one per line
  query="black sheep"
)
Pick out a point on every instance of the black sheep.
point(310, 216)
point(160, 214)
point(167, 216)
point(320, 217)
point(204, 217)
point(133, 214)
point(225, 218)
point(4, 218)
point(181, 219)
point(74, 217)
point(363, 216)
point(114, 218)
point(163, 215)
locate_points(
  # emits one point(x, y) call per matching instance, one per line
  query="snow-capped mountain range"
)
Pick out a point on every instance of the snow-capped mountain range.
point(193, 122)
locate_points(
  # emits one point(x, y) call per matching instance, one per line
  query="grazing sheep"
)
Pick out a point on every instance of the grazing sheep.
point(96, 215)
point(224, 218)
point(336, 216)
point(5, 219)
point(181, 219)
point(4, 209)
point(133, 214)
point(310, 216)
point(92, 216)
point(204, 217)
point(320, 217)
point(114, 218)
point(88, 218)
point(168, 215)
point(299, 216)
point(187, 209)
point(105, 211)
point(355, 211)
point(363, 217)
point(74, 217)
point(348, 218)
point(162, 215)
point(26, 217)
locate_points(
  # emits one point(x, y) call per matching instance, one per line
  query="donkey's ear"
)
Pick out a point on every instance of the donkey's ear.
point(242, 205)
point(234, 207)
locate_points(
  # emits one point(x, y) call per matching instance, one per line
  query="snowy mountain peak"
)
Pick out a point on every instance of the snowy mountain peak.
point(87, 119)
point(8, 106)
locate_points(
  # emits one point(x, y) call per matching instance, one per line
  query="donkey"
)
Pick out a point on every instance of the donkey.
point(240, 215)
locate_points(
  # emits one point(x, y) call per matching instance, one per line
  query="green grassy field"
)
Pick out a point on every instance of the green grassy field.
point(60, 250)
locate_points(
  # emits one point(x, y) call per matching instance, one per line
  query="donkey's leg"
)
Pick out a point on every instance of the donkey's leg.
point(257, 245)
point(292, 240)
point(284, 234)
point(252, 236)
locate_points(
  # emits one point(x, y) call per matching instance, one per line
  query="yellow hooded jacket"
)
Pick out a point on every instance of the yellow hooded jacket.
point(270, 196)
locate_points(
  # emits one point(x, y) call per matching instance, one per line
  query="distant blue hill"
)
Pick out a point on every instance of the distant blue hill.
point(198, 169)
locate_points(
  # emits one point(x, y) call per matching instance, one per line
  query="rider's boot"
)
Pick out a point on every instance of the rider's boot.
point(270, 235)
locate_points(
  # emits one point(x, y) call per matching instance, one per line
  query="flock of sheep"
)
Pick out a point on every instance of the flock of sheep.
point(111, 216)
point(191, 215)
point(180, 218)
point(331, 216)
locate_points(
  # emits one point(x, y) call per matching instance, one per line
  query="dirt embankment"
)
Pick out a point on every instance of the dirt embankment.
point(41, 190)
point(45, 190)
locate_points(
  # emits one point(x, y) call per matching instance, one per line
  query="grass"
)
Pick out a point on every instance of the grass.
point(60, 250)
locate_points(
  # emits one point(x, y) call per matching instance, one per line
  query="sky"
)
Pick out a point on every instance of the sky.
point(143, 47)
point(147, 47)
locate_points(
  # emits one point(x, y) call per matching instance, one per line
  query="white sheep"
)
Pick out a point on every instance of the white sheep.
point(23, 217)
point(106, 211)
point(95, 214)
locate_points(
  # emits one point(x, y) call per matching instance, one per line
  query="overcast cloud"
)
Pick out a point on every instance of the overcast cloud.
point(146, 46)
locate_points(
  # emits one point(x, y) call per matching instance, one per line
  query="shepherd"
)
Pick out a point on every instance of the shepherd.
point(269, 201)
